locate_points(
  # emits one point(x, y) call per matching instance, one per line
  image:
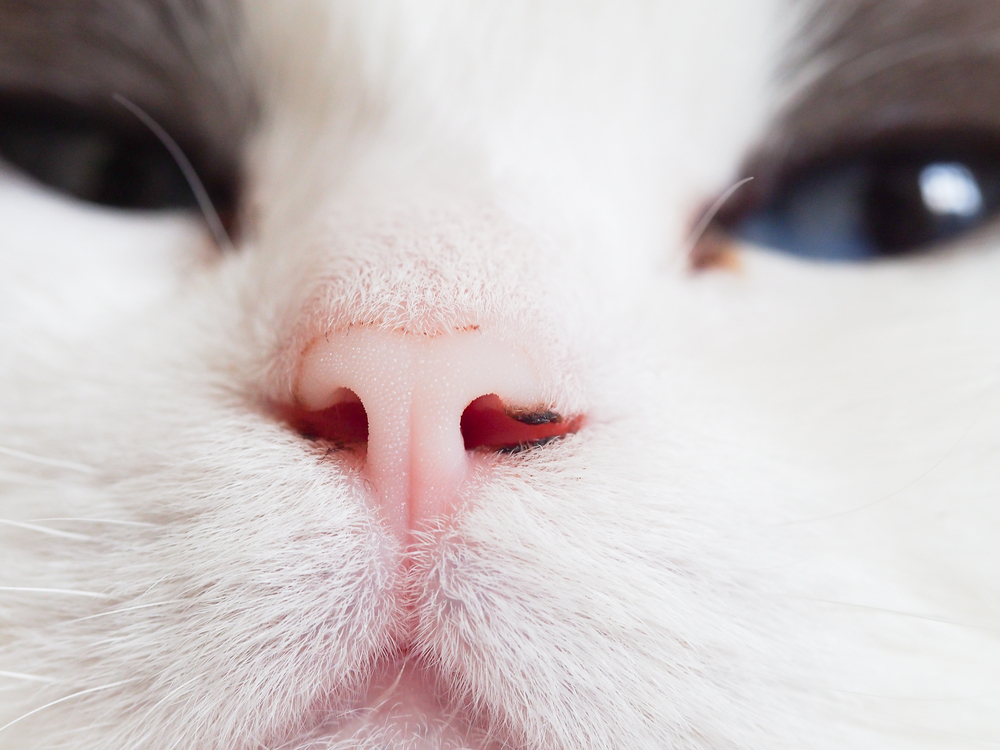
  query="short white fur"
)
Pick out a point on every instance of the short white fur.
point(777, 529)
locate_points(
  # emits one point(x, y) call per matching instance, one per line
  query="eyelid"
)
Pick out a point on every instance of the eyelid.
point(781, 159)
point(887, 197)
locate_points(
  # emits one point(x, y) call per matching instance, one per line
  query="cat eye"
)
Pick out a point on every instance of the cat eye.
point(872, 202)
point(107, 159)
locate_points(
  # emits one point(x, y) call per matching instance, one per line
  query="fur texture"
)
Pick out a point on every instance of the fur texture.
point(776, 530)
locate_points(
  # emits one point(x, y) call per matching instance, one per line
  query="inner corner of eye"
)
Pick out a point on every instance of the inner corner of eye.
point(713, 236)
point(714, 249)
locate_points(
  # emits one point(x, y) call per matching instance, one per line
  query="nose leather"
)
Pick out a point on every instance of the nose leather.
point(414, 390)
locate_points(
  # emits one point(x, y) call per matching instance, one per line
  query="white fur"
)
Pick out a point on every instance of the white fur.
point(777, 529)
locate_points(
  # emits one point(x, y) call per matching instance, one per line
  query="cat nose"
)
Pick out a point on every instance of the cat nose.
point(420, 409)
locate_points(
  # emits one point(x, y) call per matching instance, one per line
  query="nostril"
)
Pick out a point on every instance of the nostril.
point(411, 415)
point(488, 425)
point(344, 424)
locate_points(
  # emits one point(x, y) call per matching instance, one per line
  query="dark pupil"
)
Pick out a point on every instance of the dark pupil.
point(92, 160)
point(883, 205)
point(910, 205)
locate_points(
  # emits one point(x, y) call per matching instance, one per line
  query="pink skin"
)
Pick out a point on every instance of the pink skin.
point(416, 392)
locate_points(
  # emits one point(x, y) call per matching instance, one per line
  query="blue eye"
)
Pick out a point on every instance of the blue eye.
point(880, 205)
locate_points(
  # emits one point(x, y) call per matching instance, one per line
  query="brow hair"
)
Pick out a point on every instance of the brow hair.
point(180, 60)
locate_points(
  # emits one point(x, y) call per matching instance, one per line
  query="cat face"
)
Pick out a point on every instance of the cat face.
point(473, 409)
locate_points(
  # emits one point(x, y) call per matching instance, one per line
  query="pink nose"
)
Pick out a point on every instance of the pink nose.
point(422, 407)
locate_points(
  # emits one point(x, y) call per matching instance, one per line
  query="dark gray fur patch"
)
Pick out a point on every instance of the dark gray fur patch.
point(181, 60)
point(871, 70)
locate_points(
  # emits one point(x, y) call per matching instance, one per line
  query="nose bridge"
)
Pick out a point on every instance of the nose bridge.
point(414, 390)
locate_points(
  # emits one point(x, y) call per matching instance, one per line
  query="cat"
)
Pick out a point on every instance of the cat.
point(525, 375)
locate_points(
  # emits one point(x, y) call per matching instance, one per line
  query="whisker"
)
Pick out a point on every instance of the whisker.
point(53, 462)
point(45, 530)
point(387, 694)
point(984, 402)
point(27, 677)
point(166, 698)
point(62, 592)
point(903, 613)
point(123, 610)
point(21, 718)
point(33, 480)
point(109, 521)
point(709, 216)
point(152, 586)
point(197, 187)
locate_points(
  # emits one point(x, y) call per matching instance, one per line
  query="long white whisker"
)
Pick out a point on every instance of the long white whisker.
point(109, 521)
point(165, 698)
point(45, 530)
point(27, 677)
point(903, 613)
point(152, 586)
point(62, 592)
point(387, 694)
point(123, 610)
point(9, 724)
point(699, 230)
point(913, 482)
point(702, 226)
point(53, 462)
point(33, 480)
